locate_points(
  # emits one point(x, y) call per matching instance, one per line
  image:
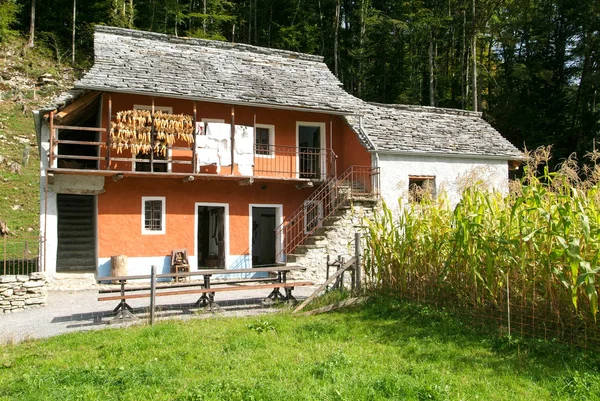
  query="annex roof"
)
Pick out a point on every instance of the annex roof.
point(150, 63)
point(408, 129)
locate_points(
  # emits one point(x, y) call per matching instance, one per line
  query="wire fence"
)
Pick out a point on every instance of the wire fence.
point(20, 255)
point(522, 308)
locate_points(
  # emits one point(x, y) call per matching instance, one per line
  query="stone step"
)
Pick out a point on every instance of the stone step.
point(314, 239)
point(292, 258)
point(303, 248)
point(73, 281)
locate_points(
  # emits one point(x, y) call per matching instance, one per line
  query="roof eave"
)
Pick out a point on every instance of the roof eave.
point(451, 155)
point(221, 101)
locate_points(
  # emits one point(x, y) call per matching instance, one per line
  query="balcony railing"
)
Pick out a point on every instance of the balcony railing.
point(262, 161)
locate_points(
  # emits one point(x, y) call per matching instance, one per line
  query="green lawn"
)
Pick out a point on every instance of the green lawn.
point(381, 350)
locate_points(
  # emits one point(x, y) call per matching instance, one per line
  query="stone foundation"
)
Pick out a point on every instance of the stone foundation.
point(22, 292)
point(334, 238)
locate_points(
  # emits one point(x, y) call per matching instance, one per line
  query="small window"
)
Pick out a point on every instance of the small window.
point(153, 215)
point(264, 139)
point(421, 188)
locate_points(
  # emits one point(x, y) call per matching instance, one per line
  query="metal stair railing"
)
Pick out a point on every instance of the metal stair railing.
point(356, 181)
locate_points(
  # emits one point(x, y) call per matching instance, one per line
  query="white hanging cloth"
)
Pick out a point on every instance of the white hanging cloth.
point(244, 149)
point(219, 137)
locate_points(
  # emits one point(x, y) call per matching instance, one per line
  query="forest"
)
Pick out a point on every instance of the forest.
point(530, 66)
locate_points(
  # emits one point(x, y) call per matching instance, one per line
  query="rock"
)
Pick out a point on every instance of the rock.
point(3, 230)
point(22, 279)
point(21, 139)
point(17, 303)
point(47, 79)
point(29, 229)
point(8, 293)
point(37, 275)
point(33, 284)
point(16, 207)
point(34, 301)
point(8, 279)
point(15, 168)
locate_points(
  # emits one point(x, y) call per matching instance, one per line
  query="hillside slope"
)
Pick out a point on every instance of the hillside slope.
point(29, 78)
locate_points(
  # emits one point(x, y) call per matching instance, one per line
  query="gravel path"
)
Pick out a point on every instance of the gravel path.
point(70, 311)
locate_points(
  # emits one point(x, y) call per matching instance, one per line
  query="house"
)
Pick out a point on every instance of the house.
point(236, 153)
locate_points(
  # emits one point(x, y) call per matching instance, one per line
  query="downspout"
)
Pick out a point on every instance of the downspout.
point(38, 120)
point(368, 140)
point(374, 149)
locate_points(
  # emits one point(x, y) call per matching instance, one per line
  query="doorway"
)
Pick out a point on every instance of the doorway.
point(211, 236)
point(76, 250)
point(264, 244)
point(311, 142)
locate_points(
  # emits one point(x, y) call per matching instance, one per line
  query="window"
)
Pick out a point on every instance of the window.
point(264, 139)
point(153, 215)
point(421, 188)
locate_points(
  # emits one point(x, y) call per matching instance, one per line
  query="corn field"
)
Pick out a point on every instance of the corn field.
point(527, 262)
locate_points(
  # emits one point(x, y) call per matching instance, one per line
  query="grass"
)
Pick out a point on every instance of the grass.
point(382, 350)
point(19, 194)
point(20, 67)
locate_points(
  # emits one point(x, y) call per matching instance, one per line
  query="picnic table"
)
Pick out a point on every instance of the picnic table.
point(204, 287)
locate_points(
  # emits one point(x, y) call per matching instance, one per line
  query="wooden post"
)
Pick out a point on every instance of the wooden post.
point(194, 155)
point(118, 265)
point(508, 302)
point(152, 136)
point(108, 138)
point(358, 262)
point(232, 136)
point(5, 240)
point(152, 293)
point(51, 147)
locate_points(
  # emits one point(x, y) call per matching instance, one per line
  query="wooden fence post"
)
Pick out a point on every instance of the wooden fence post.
point(152, 293)
point(358, 262)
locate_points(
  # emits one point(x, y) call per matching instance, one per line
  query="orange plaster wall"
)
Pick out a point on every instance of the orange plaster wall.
point(120, 208)
point(353, 152)
point(345, 143)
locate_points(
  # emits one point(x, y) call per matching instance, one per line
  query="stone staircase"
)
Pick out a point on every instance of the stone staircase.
point(334, 237)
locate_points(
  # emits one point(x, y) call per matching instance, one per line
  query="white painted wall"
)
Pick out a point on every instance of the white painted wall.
point(452, 174)
point(48, 210)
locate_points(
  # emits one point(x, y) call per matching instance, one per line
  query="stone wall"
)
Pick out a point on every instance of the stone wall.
point(334, 238)
point(22, 292)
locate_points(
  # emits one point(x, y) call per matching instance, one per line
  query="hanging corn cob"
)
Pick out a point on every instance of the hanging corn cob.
point(132, 129)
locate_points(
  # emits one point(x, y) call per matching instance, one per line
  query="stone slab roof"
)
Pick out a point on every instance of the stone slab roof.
point(156, 64)
point(421, 129)
point(149, 63)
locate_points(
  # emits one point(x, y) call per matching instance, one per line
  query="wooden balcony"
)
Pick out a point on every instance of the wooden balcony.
point(83, 154)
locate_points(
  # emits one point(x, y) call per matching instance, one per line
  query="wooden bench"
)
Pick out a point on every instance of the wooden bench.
point(124, 310)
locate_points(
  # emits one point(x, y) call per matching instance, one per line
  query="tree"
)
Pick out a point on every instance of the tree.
point(8, 17)
point(30, 43)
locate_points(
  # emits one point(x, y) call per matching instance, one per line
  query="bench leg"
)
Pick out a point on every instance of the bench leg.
point(124, 314)
point(289, 298)
point(123, 305)
point(274, 296)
